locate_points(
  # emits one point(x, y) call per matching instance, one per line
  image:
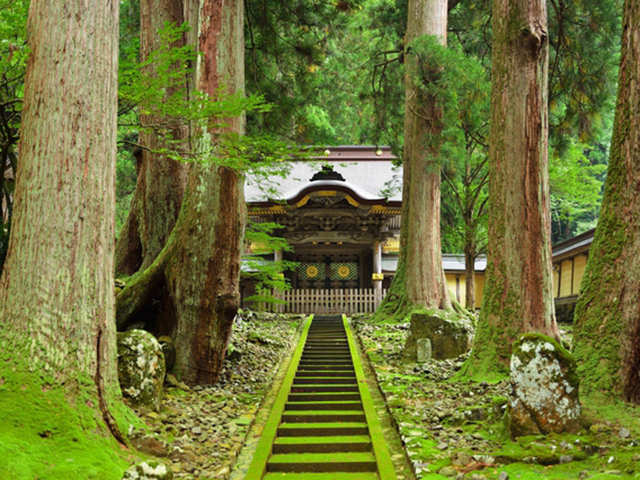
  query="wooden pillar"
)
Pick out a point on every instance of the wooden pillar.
point(377, 270)
point(277, 257)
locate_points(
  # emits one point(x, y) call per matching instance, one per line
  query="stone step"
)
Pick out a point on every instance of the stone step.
point(325, 373)
point(323, 397)
point(324, 380)
point(323, 388)
point(323, 416)
point(322, 358)
point(315, 405)
point(322, 429)
point(311, 361)
point(323, 462)
point(326, 349)
point(321, 476)
point(355, 443)
point(314, 368)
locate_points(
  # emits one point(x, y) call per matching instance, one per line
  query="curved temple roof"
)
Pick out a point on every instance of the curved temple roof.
point(368, 171)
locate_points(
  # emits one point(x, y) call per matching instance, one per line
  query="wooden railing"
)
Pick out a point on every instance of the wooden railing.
point(349, 301)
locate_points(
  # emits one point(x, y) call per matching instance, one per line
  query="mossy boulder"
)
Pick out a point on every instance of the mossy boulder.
point(148, 471)
point(449, 333)
point(141, 368)
point(544, 388)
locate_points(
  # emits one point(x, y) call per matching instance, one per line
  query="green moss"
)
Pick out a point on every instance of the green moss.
point(43, 435)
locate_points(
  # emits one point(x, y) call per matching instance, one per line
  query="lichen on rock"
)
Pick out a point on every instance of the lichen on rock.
point(141, 368)
point(450, 334)
point(148, 471)
point(544, 388)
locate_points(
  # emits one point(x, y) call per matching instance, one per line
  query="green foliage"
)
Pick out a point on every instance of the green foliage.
point(459, 84)
point(576, 187)
point(268, 275)
point(158, 88)
point(13, 55)
point(126, 171)
point(155, 97)
point(314, 61)
point(583, 65)
point(5, 230)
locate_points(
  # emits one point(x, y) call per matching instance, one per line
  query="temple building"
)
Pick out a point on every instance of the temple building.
point(341, 215)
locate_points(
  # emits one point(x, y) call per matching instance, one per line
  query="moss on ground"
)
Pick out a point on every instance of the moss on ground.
point(436, 416)
point(44, 436)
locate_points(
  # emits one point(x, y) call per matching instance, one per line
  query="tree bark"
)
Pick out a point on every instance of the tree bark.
point(161, 180)
point(420, 279)
point(470, 255)
point(518, 294)
point(201, 260)
point(607, 316)
point(56, 292)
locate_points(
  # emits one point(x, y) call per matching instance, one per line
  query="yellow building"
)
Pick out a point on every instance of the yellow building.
point(569, 262)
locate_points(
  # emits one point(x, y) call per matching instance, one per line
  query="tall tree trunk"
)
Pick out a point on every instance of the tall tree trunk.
point(420, 278)
point(607, 316)
point(57, 337)
point(518, 294)
point(470, 254)
point(161, 180)
point(201, 261)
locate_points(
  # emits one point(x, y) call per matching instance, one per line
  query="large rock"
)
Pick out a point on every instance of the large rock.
point(141, 368)
point(544, 388)
point(449, 333)
point(148, 471)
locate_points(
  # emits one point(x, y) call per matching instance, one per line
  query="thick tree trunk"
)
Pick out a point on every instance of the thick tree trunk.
point(607, 316)
point(470, 255)
point(518, 294)
point(57, 337)
point(420, 279)
point(201, 261)
point(161, 180)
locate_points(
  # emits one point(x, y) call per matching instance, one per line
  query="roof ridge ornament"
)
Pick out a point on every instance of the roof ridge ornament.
point(327, 173)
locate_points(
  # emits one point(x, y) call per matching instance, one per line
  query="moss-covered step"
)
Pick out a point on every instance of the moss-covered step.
point(314, 405)
point(352, 443)
point(325, 416)
point(333, 346)
point(322, 429)
point(326, 352)
point(326, 373)
point(326, 343)
point(323, 388)
point(322, 462)
point(322, 397)
point(321, 476)
point(313, 367)
point(337, 362)
point(321, 357)
point(325, 380)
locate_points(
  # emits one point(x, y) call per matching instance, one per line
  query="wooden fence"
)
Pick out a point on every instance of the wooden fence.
point(349, 301)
